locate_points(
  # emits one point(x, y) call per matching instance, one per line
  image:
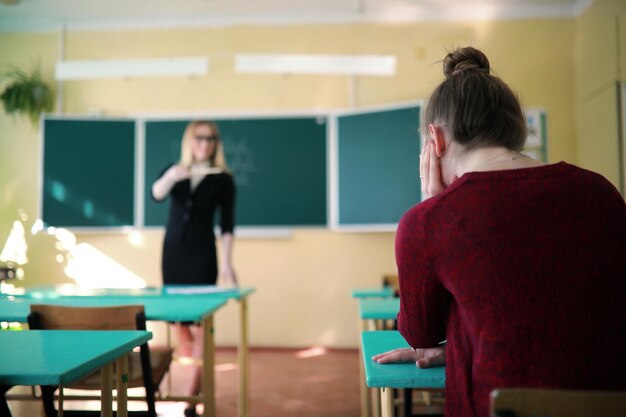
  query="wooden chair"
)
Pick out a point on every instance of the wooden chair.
point(557, 403)
point(392, 281)
point(145, 368)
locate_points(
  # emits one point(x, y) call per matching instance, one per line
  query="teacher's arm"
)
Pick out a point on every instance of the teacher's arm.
point(227, 225)
point(162, 187)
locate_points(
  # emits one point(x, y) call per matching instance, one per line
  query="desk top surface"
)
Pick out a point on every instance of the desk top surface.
point(379, 308)
point(381, 292)
point(71, 290)
point(171, 308)
point(396, 375)
point(61, 357)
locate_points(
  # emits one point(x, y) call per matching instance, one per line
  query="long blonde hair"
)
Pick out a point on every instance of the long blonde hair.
point(217, 160)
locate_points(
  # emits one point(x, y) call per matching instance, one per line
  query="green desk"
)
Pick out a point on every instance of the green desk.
point(383, 292)
point(62, 357)
point(373, 313)
point(71, 290)
point(170, 308)
point(168, 292)
point(379, 309)
point(397, 375)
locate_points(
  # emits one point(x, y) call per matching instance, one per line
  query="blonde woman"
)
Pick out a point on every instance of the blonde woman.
point(197, 186)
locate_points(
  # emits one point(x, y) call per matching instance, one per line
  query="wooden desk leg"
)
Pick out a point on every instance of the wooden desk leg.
point(375, 393)
point(365, 391)
point(376, 404)
point(106, 386)
point(60, 411)
point(208, 368)
point(427, 398)
point(243, 359)
point(121, 384)
point(168, 333)
point(387, 404)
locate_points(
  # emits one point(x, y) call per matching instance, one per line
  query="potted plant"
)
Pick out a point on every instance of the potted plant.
point(26, 94)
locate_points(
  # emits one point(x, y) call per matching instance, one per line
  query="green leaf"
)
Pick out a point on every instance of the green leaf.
point(26, 94)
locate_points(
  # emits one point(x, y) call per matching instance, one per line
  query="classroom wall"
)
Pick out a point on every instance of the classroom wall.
point(303, 282)
point(601, 66)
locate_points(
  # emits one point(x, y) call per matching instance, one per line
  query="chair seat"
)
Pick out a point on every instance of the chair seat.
point(160, 358)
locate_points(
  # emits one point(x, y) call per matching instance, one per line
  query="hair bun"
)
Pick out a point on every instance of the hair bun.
point(465, 59)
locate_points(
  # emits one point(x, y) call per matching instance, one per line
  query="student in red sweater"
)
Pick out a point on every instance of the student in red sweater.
point(520, 266)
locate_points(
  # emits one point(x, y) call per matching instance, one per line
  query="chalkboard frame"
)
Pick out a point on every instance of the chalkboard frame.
point(262, 232)
point(622, 140)
point(335, 198)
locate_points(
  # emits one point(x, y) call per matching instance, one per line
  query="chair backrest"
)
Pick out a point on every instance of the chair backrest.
point(53, 317)
point(131, 317)
point(557, 403)
point(392, 281)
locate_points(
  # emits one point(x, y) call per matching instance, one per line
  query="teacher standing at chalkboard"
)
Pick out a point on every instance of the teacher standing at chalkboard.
point(198, 185)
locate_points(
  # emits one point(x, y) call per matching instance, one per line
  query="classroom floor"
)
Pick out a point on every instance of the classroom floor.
point(312, 382)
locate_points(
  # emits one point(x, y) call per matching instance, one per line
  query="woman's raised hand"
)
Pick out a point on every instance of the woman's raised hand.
point(177, 173)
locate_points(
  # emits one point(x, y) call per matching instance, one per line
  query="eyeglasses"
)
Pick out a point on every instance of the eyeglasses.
point(211, 138)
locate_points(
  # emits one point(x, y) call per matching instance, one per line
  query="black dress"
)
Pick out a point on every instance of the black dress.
point(189, 247)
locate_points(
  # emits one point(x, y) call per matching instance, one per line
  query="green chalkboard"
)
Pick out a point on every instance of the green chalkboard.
point(378, 166)
point(88, 173)
point(279, 166)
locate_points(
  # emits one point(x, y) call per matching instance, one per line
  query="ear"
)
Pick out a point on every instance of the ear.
point(437, 135)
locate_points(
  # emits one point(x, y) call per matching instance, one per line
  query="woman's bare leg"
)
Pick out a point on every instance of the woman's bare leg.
point(196, 353)
point(190, 346)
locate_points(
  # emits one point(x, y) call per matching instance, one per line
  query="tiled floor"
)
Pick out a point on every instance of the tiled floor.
point(312, 382)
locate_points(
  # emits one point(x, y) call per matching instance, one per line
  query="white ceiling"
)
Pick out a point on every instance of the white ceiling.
point(84, 14)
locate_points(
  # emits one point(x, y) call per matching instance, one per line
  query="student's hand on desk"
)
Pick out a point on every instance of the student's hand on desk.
point(430, 171)
point(423, 358)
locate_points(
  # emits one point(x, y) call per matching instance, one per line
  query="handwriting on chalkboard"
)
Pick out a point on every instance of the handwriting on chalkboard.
point(240, 160)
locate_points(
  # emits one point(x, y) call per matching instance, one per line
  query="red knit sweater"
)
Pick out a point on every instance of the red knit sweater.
point(524, 273)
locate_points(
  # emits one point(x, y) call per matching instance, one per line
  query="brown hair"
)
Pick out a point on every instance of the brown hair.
point(476, 108)
point(217, 160)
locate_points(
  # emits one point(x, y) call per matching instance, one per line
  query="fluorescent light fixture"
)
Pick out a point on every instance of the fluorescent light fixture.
point(131, 68)
point(380, 65)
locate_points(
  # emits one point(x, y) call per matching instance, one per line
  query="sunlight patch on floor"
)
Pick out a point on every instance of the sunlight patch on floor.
point(311, 352)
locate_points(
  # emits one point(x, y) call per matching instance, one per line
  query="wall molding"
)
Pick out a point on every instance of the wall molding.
point(400, 15)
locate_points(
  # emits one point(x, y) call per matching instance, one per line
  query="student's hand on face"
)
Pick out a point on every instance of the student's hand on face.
point(423, 358)
point(430, 171)
point(177, 173)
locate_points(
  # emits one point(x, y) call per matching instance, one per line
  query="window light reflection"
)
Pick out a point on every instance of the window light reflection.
point(91, 268)
point(15, 247)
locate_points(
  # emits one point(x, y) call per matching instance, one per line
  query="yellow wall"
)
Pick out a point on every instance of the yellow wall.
point(303, 282)
point(600, 60)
